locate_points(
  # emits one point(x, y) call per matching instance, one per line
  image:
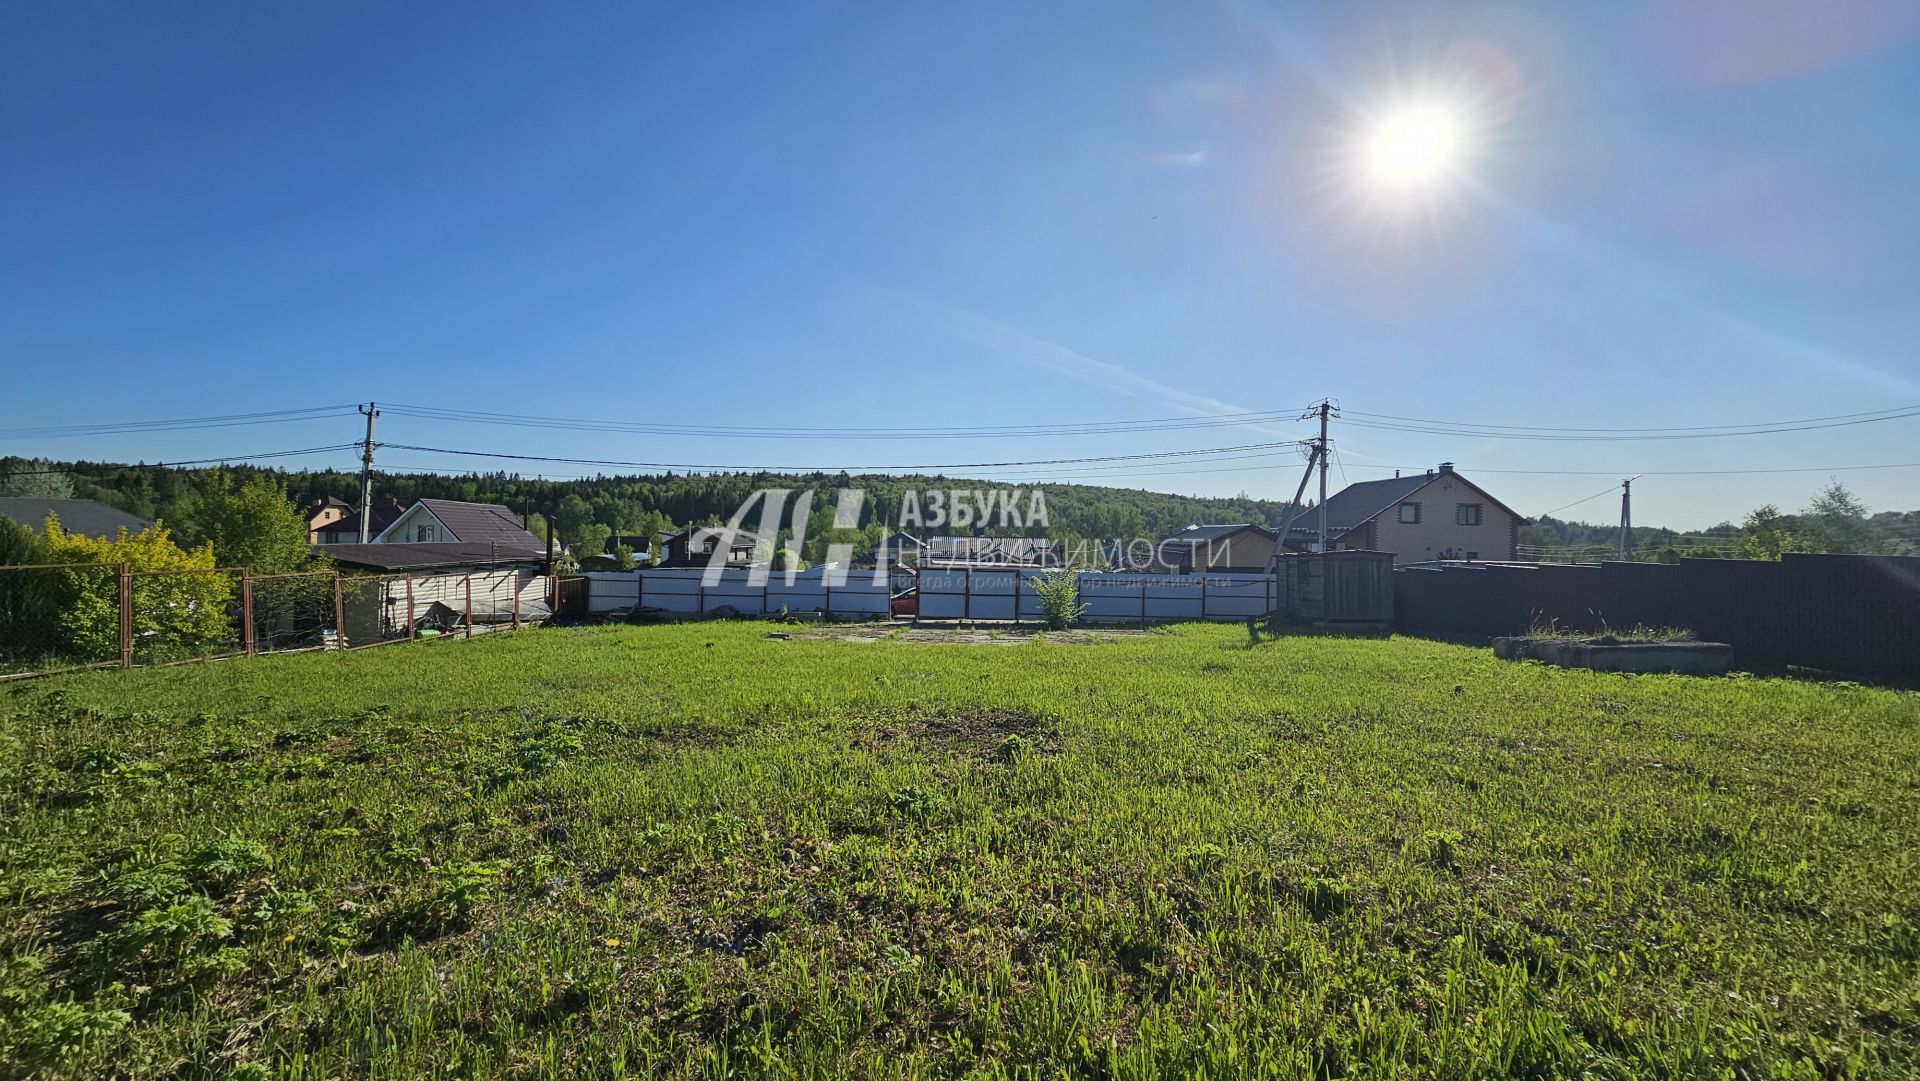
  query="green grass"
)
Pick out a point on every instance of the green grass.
point(694, 851)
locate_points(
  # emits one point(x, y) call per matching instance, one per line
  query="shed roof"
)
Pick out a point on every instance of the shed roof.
point(1201, 533)
point(83, 516)
point(412, 557)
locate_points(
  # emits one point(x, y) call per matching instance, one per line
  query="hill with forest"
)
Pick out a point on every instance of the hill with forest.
point(641, 505)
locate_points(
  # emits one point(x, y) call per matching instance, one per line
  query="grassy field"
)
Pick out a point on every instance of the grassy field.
point(694, 851)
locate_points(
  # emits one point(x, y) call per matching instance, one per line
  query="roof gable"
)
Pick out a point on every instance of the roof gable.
point(86, 517)
point(475, 523)
point(1357, 504)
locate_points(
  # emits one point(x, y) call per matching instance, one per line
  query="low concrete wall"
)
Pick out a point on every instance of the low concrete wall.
point(1689, 658)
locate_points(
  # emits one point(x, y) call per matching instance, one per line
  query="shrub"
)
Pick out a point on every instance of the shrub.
point(1059, 593)
point(174, 614)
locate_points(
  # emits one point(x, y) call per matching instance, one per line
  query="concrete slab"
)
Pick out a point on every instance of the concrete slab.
point(1689, 658)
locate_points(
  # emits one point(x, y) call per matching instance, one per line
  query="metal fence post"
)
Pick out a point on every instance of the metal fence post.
point(126, 616)
point(514, 588)
point(410, 631)
point(339, 614)
point(246, 611)
point(469, 630)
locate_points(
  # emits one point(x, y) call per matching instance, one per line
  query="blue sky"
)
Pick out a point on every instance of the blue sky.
point(899, 215)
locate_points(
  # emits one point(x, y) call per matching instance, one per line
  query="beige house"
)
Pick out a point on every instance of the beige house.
point(1238, 547)
point(322, 513)
point(1438, 515)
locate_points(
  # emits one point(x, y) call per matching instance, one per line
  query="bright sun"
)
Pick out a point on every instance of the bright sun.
point(1414, 147)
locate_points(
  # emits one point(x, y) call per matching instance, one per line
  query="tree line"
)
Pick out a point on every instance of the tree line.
point(586, 513)
point(1834, 520)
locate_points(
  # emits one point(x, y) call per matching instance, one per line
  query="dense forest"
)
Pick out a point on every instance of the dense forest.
point(587, 511)
point(636, 506)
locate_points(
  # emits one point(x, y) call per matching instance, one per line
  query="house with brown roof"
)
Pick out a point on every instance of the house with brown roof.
point(447, 521)
point(1438, 515)
point(346, 529)
point(1240, 546)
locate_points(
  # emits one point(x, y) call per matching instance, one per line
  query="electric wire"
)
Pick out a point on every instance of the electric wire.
point(177, 424)
point(1143, 456)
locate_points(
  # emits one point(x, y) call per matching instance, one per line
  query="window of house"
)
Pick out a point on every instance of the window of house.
point(422, 532)
point(1466, 513)
point(1409, 514)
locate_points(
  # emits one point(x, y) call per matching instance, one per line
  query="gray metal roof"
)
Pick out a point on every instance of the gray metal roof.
point(413, 557)
point(479, 523)
point(83, 516)
point(1356, 504)
point(1202, 533)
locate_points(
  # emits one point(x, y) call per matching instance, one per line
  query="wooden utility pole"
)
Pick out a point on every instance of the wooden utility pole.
point(366, 475)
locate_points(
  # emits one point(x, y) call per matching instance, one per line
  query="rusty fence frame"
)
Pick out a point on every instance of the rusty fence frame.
point(547, 584)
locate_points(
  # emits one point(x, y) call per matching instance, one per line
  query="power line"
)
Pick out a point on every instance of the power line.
point(185, 461)
point(1673, 472)
point(990, 431)
point(229, 420)
point(1435, 427)
point(1873, 413)
point(1145, 456)
point(1604, 491)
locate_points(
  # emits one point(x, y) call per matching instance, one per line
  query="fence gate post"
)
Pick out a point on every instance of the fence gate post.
point(246, 611)
point(514, 587)
point(469, 630)
point(409, 607)
point(126, 616)
point(339, 614)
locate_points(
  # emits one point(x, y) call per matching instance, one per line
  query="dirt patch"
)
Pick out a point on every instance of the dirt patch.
point(967, 636)
point(984, 732)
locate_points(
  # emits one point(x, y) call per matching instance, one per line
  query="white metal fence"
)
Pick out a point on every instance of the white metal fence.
point(969, 593)
point(961, 593)
point(686, 592)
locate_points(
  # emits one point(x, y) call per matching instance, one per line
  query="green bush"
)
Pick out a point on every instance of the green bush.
point(1059, 593)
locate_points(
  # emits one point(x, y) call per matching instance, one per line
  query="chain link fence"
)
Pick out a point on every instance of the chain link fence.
point(62, 617)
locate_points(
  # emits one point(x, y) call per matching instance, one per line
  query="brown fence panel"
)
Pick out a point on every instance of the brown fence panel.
point(1858, 614)
point(186, 615)
point(1478, 600)
point(1642, 595)
point(1567, 596)
point(1737, 601)
point(1854, 613)
point(58, 617)
point(293, 612)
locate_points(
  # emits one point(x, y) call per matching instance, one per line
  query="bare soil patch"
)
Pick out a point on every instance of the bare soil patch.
point(949, 634)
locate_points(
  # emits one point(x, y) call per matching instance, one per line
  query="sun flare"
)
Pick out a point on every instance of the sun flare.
point(1415, 146)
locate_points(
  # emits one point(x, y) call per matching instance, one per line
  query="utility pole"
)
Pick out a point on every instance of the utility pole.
point(1325, 408)
point(1626, 517)
point(366, 475)
point(1316, 456)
